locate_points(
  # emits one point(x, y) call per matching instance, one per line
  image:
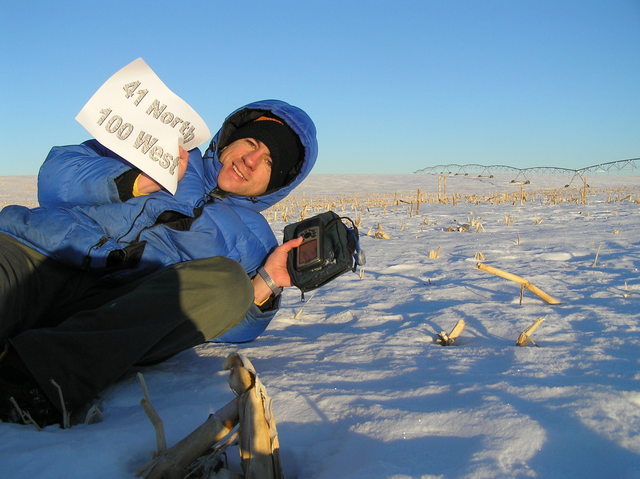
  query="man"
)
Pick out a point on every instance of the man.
point(112, 271)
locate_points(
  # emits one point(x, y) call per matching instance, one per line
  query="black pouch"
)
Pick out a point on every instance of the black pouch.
point(330, 249)
point(127, 257)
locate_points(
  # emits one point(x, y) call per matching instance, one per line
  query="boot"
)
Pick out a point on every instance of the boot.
point(22, 401)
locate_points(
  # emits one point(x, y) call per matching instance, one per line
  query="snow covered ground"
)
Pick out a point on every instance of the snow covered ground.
point(360, 388)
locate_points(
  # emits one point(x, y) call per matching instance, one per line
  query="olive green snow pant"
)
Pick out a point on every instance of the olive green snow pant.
point(85, 333)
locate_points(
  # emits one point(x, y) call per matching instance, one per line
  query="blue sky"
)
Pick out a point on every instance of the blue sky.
point(392, 86)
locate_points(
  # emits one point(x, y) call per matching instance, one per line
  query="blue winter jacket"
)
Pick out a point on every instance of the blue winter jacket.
point(82, 222)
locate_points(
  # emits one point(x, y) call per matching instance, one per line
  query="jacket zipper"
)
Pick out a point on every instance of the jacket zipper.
point(86, 263)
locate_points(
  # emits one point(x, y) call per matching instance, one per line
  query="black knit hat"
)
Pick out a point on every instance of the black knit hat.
point(283, 144)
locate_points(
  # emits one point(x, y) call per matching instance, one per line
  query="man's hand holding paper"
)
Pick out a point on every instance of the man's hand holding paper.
point(147, 185)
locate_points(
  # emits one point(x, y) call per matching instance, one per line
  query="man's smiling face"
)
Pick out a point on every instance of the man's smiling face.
point(246, 167)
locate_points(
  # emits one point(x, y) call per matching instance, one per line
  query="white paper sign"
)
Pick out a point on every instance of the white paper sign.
point(135, 115)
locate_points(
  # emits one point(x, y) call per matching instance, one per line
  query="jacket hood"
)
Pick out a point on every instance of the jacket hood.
point(297, 120)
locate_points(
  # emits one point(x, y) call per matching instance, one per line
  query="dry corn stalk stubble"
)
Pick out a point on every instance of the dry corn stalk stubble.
point(524, 284)
point(247, 418)
point(525, 336)
point(448, 339)
point(363, 203)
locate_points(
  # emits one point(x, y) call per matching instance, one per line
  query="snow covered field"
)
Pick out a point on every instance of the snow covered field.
point(360, 388)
